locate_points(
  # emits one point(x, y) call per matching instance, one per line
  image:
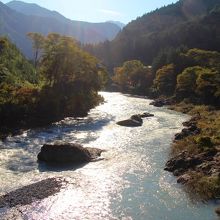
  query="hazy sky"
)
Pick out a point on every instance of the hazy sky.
point(101, 10)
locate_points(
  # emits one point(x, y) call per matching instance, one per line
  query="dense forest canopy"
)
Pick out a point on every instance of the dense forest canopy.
point(193, 75)
point(180, 43)
point(193, 24)
point(63, 82)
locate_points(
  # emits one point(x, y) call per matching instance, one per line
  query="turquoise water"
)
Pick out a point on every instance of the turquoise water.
point(129, 183)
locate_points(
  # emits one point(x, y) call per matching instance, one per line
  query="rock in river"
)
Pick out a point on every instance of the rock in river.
point(146, 115)
point(68, 153)
point(133, 121)
point(161, 102)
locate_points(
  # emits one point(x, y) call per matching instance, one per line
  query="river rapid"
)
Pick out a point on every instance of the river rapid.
point(129, 183)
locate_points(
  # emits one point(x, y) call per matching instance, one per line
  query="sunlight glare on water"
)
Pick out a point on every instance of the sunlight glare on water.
point(129, 183)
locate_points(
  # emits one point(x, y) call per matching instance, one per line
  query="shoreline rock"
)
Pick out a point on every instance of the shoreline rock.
point(68, 153)
point(191, 129)
point(160, 102)
point(198, 170)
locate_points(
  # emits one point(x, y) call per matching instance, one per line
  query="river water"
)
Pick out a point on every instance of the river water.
point(129, 183)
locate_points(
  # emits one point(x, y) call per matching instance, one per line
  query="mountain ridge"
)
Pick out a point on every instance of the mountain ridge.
point(34, 9)
point(16, 25)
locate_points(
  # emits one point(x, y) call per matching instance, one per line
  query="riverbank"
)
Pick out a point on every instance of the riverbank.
point(37, 118)
point(195, 153)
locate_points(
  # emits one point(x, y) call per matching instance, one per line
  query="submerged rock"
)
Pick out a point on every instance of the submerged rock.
point(36, 191)
point(68, 153)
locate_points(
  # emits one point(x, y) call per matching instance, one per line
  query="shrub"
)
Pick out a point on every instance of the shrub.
point(204, 142)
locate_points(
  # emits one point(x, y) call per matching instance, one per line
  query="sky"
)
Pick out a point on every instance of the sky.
point(101, 10)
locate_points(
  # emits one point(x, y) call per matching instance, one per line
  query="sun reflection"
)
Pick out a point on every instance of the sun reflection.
point(129, 183)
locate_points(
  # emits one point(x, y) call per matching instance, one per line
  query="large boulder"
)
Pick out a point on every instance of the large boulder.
point(129, 123)
point(68, 153)
point(136, 118)
point(133, 121)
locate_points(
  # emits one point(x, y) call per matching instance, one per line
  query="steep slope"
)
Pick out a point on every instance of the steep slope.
point(15, 70)
point(183, 23)
point(16, 25)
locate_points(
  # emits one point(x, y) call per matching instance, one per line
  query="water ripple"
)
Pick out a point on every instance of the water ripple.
point(128, 184)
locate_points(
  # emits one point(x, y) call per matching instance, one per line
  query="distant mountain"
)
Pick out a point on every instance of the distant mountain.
point(192, 23)
point(20, 18)
point(34, 9)
point(120, 24)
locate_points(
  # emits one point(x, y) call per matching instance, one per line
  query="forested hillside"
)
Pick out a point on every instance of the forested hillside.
point(194, 24)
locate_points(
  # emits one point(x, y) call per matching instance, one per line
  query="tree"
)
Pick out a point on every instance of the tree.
point(204, 58)
point(38, 41)
point(73, 78)
point(133, 74)
point(208, 85)
point(165, 81)
point(186, 82)
point(201, 83)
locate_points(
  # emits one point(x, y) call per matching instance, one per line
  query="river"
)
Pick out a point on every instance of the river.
point(129, 183)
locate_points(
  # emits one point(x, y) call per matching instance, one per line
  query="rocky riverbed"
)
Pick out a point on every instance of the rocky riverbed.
point(33, 192)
